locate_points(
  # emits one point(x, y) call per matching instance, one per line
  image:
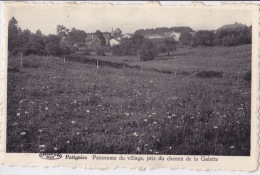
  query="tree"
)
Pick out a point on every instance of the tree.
point(136, 46)
point(203, 38)
point(117, 33)
point(76, 37)
point(62, 30)
point(148, 51)
point(37, 44)
point(24, 41)
point(13, 41)
point(185, 38)
point(170, 45)
point(101, 37)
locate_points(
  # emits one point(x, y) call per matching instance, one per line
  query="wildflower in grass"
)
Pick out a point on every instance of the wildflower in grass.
point(145, 145)
point(170, 147)
point(57, 104)
point(40, 130)
point(215, 127)
point(155, 123)
point(78, 133)
point(145, 120)
point(169, 117)
point(67, 142)
point(138, 149)
point(150, 150)
point(14, 124)
point(23, 133)
point(156, 152)
point(26, 112)
point(232, 147)
point(55, 148)
point(153, 136)
point(135, 134)
point(42, 146)
point(18, 114)
point(73, 122)
point(153, 113)
point(46, 108)
point(87, 111)
point(149, 116)
point(32, 102)
point(173, 115)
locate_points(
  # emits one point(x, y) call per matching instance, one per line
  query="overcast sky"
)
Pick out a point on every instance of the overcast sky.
point(128, 18)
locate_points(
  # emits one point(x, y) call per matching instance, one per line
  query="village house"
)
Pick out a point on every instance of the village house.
point(174, 35)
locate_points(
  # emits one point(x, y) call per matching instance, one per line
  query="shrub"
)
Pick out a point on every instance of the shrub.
point(100, 52)
point(209, 74)
point(86, 51)
point(148, 51)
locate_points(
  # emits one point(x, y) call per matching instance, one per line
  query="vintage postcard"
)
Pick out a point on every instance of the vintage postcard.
point(139, 86)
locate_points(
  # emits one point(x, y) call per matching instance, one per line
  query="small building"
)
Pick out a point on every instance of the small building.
point(153, 36)
point(92, 41)
point(127, 35)
point(114, 42)
point(174, 35)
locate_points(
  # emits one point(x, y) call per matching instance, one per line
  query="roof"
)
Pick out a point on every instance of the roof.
point(153, 36)
point(91, 37)
point(172, 34)
point(232, 26)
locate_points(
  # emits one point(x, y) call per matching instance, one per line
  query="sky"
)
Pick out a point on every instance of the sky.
point(128, 18)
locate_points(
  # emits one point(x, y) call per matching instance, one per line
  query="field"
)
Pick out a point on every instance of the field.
point(79, 109)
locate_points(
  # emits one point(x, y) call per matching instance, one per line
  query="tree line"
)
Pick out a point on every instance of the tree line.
point(66, 41)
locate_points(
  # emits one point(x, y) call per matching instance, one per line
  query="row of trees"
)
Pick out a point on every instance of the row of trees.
point(26, 42)
point(163, 30)
point(146, 49)
point(222, 37)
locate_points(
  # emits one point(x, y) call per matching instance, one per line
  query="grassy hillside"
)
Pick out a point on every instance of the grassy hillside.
point(79, 109)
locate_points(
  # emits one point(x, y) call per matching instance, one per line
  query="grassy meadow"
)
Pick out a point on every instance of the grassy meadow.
point(79, 109)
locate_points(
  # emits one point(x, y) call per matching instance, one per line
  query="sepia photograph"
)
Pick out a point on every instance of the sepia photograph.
point(129, 80)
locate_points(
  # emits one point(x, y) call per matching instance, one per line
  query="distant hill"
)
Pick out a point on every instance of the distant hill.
point(163, 30)
point(232, 26)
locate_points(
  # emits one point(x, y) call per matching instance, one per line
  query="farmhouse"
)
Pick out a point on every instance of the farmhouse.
point(114, 42)
point(153, 36)
point(127, 35)
point(174, 35)
point(92, 41)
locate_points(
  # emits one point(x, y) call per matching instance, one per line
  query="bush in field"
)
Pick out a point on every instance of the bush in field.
point(185, 38)
point(86, 51)
point(233, 36)
point(100, 52)
point(137, 45)
point(170, 45)
point(234, 40)
point(203, 38)
point(148, 51)
point(209, 74)
point(161, 49)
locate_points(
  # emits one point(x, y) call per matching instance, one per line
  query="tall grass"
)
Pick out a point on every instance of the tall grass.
point(121, 111)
